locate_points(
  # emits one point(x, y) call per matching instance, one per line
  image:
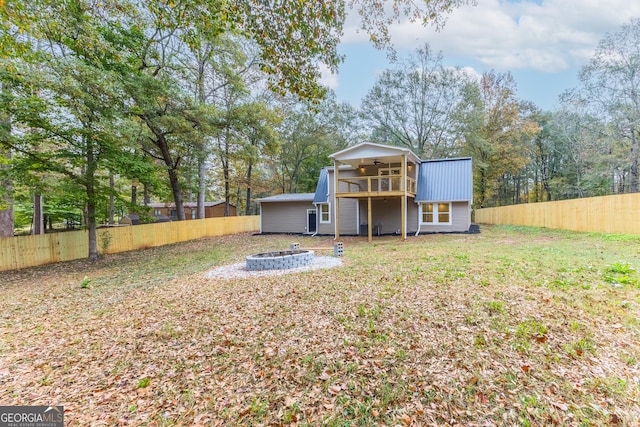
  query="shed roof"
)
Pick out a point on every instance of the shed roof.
point(296, 197)
point(445, 180)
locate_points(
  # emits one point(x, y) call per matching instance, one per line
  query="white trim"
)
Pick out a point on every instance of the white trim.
point(320, 205)
point(308, 212)
point(435, 214)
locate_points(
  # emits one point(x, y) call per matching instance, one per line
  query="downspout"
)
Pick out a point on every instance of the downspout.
point(317, 220)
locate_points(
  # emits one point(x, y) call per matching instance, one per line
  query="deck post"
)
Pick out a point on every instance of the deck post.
point(336, 189)
point(403, 199)
point(369, 226)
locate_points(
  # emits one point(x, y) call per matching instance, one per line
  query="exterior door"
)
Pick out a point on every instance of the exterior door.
point(311, 221)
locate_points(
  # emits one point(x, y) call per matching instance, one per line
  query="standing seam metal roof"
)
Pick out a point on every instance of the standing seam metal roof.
point(322, 190)
point(445, 180)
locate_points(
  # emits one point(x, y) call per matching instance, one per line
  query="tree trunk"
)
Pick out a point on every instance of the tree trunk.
point(172, 167)
point(90, 187)
point(247, 207)
point(93, 234)
point(112, 208)
point(202, 182)
point(6, 201)
point(6, 206)
point(38, 218)
point(6, 217)
point(177, 194)
point(145, 194)
point(134, 197)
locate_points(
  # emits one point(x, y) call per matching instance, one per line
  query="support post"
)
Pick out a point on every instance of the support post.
point(369, 218)
point(403, 199)
point(336, 188)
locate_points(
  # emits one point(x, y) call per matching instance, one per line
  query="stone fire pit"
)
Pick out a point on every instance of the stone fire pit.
point(279, 260)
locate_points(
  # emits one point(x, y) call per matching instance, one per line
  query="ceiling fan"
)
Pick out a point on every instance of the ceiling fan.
point(376, 162)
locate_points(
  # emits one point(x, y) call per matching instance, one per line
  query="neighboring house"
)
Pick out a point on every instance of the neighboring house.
point(211, 210)
point(381, 190)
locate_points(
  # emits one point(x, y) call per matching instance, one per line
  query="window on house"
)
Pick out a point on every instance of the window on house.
point(436, 213)
point(325, 216)
point(193, 214)
point(174, 214)
point(157, 212)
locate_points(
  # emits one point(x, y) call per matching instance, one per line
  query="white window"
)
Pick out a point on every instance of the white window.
point(435, 213)
point(325, 213)
point(193, 214)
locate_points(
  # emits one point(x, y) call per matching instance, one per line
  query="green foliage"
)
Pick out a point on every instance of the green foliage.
point(85, 283)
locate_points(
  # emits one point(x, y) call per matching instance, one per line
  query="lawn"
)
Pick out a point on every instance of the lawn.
point(512, 326)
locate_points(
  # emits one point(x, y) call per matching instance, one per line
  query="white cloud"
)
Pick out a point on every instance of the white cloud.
point(328, 78)
point(548, 35)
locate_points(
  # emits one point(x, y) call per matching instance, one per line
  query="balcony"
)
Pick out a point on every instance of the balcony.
point(375, 186)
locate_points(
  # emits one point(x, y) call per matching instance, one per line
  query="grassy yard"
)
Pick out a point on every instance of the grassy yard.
point(512, 326)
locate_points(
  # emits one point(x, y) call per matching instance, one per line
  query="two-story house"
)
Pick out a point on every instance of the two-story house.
point(374, 189)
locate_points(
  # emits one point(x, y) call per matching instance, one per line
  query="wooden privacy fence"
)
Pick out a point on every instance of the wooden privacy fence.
point(30, 251)
point(619, 213)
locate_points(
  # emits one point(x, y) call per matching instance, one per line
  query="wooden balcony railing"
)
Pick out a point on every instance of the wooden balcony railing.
point(374, 185)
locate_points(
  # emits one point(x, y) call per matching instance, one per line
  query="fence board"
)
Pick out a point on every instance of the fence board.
point(30, 251)
point(618, 213)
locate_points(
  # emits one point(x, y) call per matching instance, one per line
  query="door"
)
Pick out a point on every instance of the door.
point(311, 221)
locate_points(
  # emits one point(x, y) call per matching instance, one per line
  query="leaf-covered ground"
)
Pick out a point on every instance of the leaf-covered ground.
point(512, 326)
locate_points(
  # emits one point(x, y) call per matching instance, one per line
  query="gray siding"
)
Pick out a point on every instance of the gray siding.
point(284, 217)
point(460, 219)
point(387, 215)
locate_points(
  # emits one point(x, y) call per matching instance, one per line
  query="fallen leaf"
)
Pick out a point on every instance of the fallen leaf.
point(560, 405)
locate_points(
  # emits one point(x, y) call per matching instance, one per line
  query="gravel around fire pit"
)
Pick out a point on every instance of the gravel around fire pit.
point(239, 270)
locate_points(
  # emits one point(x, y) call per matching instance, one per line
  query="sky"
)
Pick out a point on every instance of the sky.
point(542, 43)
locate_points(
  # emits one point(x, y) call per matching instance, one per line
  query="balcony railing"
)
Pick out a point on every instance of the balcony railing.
point(368, 185)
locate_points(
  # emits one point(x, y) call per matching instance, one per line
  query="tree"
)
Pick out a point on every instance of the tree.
point(6, 200)
point(65, 100)
point(494, 134)
point(83, 74)
point(610, 87)
point(415, 106)
point(308, 136)
point(260, 139)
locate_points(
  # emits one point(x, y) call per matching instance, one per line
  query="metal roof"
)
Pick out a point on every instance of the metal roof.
point(322, 190)
point(445, 180)
point(297, 197)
